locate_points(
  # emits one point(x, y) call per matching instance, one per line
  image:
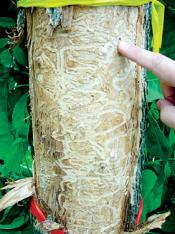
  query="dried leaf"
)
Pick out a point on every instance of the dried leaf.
point(153, 222)
point(21, 190)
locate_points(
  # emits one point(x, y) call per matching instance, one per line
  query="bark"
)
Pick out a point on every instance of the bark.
point(86, 110)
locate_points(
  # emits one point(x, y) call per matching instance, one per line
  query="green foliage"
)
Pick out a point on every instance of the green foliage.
point(3, 42)
point(150, 190)
point(21, 118)
point(158, 189)
point(15, 220)
point(20, 56)
point(15, 149)
point(6, 22)
point(169, 225)
point(6, 58)
point(158, 146)
point(154, 90)
point(14, 131)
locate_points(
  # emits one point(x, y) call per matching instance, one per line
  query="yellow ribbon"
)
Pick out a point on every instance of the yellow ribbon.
point(157, 11)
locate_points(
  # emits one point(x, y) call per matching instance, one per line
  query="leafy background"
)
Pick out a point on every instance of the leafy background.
point(15, 127)
point(158, 184)
point(16, 148)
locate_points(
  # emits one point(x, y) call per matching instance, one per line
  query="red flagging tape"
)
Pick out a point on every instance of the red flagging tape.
point(139, 212)
point(36, 211)
point(57, 232)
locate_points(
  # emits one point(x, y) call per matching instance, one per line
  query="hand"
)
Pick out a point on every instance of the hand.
point(162, 67)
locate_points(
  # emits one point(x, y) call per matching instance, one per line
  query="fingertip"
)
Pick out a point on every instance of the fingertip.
point(132, 52)
point(164, 103)
point(161, 103)
point(123, 46)
point(167, 112)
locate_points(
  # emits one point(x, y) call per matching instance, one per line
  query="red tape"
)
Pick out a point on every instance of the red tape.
point(36, 211)
point(139, 215)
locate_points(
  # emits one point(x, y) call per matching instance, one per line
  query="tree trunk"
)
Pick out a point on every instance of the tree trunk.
point(86, 108)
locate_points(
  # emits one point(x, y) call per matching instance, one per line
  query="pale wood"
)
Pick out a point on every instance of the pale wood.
point(86, 109)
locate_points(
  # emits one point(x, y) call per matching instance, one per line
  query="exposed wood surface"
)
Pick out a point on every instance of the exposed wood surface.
point(86, 110)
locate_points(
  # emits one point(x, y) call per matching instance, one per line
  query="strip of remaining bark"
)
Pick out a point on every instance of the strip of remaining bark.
point(86, 108)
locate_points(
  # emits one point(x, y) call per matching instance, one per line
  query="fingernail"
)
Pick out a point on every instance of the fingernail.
point(123, 46)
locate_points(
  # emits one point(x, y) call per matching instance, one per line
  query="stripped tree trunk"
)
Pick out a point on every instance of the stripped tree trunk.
point(86, 109)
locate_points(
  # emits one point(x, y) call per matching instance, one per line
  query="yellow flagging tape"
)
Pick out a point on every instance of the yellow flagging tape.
point(157, 11)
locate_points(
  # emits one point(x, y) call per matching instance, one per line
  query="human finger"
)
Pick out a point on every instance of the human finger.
point(167, 112)
point(160, 65)
point(167, 90)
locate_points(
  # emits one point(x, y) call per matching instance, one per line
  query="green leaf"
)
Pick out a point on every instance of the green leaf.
point(16, 148)
point(4, 72)
point(27, 163)
point(11, 232)
point(6, 58)
point(21, 118)
point(20, 56)
point(167, 170)
point(5, 135)
point(28, 229)
point(14, 218)
point(171, 138)
point(13, 148)
point(155, 112)
point(14, 94)
point(172, 166)
point(6, 22)
point(5, 214)
point(3, 42)
point(148, 182)
point(169, 225)
point(152, 194)
point(16, 223)
point(153, 186)
point(154, 89)
point(13, 155)
point(157, 144)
